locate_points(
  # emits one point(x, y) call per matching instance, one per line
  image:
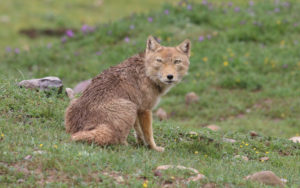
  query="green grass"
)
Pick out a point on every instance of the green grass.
point(247, 78)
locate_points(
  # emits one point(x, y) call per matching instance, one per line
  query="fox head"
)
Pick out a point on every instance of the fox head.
point(167, 65)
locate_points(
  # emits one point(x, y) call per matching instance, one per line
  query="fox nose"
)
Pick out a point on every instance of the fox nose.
point(170, 76)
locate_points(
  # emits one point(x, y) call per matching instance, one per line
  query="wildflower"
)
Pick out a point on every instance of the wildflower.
point(282, 43)
point(282, 115)
point(267, 152)
point(229, 4)
point(150, 19)
point(189, 7)
point(99, 52)
point(262, 160)
point(276, 10)
point(204, 2)
point(208, 36)
point(70, 33)
point(247, 54)
point(41, 145)
point(257, 152)
point(241, 146)
point(145, 184)
point(8, 49)
point(49, 45)
point(17, 50)
point(127, 39)
point(201, 38)
point(166, 11)
point(205, 59)
point(55, 146)
point(85, 29)
point(232, 54)
point(246, 144)
point(237, 9)
point(131, 26)
point(225, 63)
point(205, 156)
point(266, 60)
point(2, 135)
point(251, 3)
point(278, 22)
point(63, 39)
point(172, 177)
point(196, 152)
point(254, 148)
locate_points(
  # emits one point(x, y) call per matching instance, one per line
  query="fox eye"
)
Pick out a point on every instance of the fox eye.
point(159, 60)
point(177, 61)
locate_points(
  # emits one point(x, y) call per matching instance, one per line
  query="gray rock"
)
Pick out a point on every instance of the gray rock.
point(81, 86)
point(45, 83)
point(266, 177)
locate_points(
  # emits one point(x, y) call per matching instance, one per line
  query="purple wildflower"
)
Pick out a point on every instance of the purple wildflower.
point(127, 39)
point(64, 39)
point(277, 10)
point(229, 4)
point(166, 11)
point(237, 9)
point(295, 24)
point(286, 4)
point(86, 29)
point(17, 50)
point(99, 52)
point(76, 53)
point(204, 2)
point(150, 19)
point(201, 38)
point(8, 49)
point(49, 45)
point(189, 7)
point(242, 22)
point(132, 27)
point(251, 3)
point(69, 33)
point(208, 36)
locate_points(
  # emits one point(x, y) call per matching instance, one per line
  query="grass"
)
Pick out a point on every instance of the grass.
point(246, 75)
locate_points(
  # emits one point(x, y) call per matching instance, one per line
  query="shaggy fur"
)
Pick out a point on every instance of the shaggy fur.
point(123, 96)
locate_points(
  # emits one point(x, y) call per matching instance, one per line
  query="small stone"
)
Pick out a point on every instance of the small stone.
point(157, 173)
point(213, 127)
point(253, 133)
point(209, 185)
point(295, 139)
point(229, 140)
point(21, 181)
point(28, 157)
point(81, 86)
point(70, 93)
point(191, 97)
point(266, 177)
point(161, 114)
point(39, 152)
point(264, 158)
point(45, 83)
point(119, 179)
point(193, 133)
point(241, 157)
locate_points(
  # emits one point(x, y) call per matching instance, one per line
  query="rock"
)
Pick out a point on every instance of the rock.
point(81, 86)
point(213, 127)
point(45, 83)
point(229, 140)
point(161, 114)
point(157, 173)
point(193, 133)
point(70, 93)
point(264, 158)
point(295, 139)
point(20, 181)
point(28, 157)
point(191, 97)
point(197, 177)
point(253, 133)
point(39, 152)
point(266, 177)
point(241, 157)
point(209, 185)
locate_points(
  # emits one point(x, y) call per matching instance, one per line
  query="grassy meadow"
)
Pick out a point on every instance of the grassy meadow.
point(245, 68)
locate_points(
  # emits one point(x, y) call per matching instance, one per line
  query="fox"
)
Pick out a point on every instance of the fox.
point(123, 96)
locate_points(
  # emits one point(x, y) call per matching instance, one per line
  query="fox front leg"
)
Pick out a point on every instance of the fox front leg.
point(145, 118)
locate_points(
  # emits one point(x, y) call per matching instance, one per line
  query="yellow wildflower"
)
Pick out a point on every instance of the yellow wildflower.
point(241, 146)
point(205, 59)
point(55, 146)
point(246, 144)
point(267, 152)
point(172, 177)
point(41, 145)
point(278, 22)
point(196, 152)
point(145, 184)
point(247, 54)
point(2, 135)
point(225, 63)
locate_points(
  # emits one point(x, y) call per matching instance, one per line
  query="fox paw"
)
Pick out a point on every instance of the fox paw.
point(159, 149)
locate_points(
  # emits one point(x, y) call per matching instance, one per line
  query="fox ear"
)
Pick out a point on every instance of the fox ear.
point(185, 47)
point(152, 44)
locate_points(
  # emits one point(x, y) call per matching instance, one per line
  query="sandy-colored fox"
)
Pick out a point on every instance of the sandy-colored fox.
point(123, 96)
